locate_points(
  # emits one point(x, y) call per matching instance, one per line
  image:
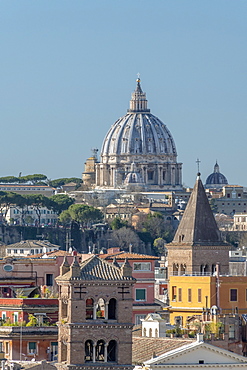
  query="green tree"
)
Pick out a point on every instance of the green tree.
point(22, 202)
point(117, 223)
point(38, 201)
point(65, 217)
point(155, 225)
point(159, 245)
point(6, 200)
point(82, 214)
point(9, 179)
point(60, 202)
point(34, 178)
point(57, 183)
point(32, 320)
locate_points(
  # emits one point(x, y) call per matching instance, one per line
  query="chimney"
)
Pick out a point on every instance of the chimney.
point(126, 269)
point(75, 270)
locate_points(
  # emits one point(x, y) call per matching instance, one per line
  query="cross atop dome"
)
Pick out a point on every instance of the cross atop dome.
point(138, 102)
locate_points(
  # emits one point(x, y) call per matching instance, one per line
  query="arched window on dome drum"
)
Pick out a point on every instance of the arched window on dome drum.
point(112, 309)
point(100, 350)
point(150, 175)
point(89, 309)
point(112, 351)
point(150, 333)
point(89, 351)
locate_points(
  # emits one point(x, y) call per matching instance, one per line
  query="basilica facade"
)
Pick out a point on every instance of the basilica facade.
point(137, 150)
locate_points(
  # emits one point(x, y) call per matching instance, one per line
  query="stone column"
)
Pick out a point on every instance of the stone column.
point(106, 310)
point(94, 352)
point(168, 174)
point(94, 311)
point(173, 175)
point(160, 182)
point(105, 352)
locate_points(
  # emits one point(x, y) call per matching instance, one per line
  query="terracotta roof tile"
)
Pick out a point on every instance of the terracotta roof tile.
point(95, 268)
point(130, 256)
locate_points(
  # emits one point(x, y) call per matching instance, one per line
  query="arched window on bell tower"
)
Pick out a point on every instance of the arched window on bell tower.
point(100, 309)
point(112, 351)
point(112, 309)
point(89, 308)
point(89, 351)
point(100, 351)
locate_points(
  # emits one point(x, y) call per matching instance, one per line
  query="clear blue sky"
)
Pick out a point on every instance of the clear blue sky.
point(67, 70)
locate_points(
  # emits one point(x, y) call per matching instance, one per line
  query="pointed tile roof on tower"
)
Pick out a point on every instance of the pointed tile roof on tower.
point(198, 225)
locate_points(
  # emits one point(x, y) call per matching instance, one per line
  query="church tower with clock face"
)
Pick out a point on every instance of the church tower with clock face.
point(142, 139)
point(95, 313)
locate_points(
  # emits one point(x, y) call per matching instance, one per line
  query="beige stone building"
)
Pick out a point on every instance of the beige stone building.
point(240, 222)
point(233, 200)
point(48, 191)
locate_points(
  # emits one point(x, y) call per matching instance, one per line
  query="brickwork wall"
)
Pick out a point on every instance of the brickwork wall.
point(75, 329)
point(195, 256)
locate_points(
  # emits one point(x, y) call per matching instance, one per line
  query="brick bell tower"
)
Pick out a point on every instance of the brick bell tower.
point(197, 247)
point(95, 313)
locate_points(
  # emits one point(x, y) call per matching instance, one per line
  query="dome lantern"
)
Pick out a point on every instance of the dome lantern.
point(138, 102)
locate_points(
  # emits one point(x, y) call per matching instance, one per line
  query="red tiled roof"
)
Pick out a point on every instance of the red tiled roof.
point(131, 256)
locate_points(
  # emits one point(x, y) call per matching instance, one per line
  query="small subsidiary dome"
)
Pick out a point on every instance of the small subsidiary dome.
point(133, 177)
point(216, 179)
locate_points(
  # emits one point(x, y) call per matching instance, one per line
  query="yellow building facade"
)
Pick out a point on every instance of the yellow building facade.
point(191, 295)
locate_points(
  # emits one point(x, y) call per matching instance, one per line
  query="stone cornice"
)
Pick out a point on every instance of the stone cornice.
point(192, 348)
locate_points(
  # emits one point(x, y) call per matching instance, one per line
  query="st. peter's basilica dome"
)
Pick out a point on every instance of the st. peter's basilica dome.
point(138, 132)
point(141, 138)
